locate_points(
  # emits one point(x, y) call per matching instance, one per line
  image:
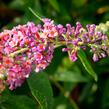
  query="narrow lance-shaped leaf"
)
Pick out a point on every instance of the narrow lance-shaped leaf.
point(87, 64)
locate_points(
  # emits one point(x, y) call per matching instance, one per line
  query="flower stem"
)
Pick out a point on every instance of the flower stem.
point(61, 43)
point(35, 14)
point(17, 52)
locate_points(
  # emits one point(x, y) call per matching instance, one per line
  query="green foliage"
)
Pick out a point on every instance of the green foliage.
point(54, 4)
point(64, 84)
point(62, 103)
point(41, 90)
point(86, 64)
point(69, 76)
point(17, 102)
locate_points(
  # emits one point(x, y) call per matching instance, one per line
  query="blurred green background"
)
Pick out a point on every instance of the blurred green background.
point(73, 87)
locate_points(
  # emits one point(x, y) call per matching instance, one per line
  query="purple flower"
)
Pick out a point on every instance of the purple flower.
point(73, 56)
point(95, 57)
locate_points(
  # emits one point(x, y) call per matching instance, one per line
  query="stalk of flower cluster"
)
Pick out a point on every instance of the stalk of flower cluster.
point(17, 52)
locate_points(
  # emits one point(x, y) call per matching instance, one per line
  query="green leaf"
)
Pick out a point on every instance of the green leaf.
point(41, 90)
point(54, 4)
point(69, 76)
point(17, 102)
point(87, 64)
point(40, 99)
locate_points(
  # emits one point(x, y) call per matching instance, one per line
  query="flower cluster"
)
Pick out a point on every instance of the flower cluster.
point(80, 38)
point(24, 48)
point(29, 47)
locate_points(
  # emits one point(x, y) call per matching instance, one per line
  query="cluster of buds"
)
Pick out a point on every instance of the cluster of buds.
point(28, 47)
point(80, 38)
point(104, 27)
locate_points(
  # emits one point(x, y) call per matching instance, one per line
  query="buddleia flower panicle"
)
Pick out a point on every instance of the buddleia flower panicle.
point(23, 49)
point(30, 47)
